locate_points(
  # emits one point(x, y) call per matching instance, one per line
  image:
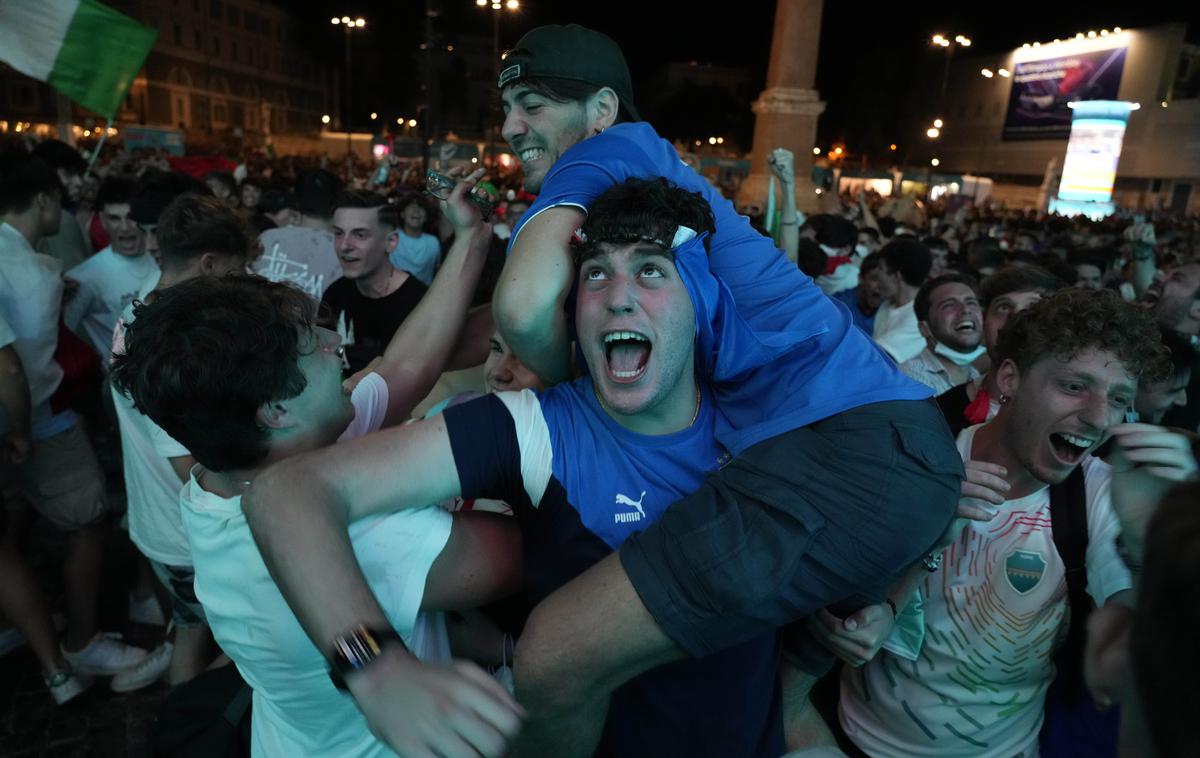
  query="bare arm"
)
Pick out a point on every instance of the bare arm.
point(298, 511)
point(473, 344)
point(421, 347)
point(182, 466)
point(15, 400)
point(529, 299)
point(781, 162)
point(480, 563)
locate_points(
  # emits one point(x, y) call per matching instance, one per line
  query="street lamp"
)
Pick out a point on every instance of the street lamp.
point(942, 41)
point(512, 5)
point(349, 25)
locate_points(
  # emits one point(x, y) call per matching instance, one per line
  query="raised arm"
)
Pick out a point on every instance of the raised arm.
point(529, 299)
point(426, 340)
point(781, 162)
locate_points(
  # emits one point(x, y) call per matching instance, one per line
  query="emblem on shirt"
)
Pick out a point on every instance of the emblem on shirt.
point(628, 517)
point(1024, 570)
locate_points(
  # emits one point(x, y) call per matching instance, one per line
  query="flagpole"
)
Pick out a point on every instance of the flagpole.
point(100, 144)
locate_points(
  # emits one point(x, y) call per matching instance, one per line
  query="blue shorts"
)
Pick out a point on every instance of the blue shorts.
point(830, 515)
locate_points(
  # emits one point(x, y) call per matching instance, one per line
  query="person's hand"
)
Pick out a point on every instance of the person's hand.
point(1141, 234)
point(446, 153)
point(857, 638)
point(425, 710)
point(983, 482)
point(782, 164)
point(1147, 460)
point(15, 448)
point(463, 215)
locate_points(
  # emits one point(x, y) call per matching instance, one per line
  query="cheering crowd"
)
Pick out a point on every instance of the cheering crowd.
point(584, 460)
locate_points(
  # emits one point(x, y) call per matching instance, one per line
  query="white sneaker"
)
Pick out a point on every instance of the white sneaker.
point(146, 611)
point(151, 669)
point(66, 685)
point(104, 656)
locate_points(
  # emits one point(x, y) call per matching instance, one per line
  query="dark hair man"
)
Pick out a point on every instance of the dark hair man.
point(585, 465)
point(43, 451)
point(950, 319)
point(236, 371)
point(1069, 369)
point(865, 299)
point(111, 279)
point(1155, 398)
point(906, 264)
point(415, 250)
point(303, 253)
point(1003, 294)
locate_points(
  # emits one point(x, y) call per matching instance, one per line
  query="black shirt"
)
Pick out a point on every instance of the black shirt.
point(367, 324)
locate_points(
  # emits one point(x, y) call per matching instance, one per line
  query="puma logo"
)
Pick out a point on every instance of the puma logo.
point(636, 504)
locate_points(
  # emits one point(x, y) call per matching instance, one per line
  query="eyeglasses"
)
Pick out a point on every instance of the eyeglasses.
point(440, 186)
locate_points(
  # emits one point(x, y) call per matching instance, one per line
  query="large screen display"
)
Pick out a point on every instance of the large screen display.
point(1041, 89)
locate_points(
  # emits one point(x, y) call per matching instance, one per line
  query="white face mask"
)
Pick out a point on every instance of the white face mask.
point(861, 250)
point(957, 358)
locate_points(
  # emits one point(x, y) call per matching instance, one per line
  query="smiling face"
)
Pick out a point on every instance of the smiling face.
point(1174, 298)
point(1088, 276)
point(1061, 411)
point(504, 372)
point(955, 319)
point(121, 229)
point(539, 130)
point(361, 242)
point(414, 216)
point(637, 331)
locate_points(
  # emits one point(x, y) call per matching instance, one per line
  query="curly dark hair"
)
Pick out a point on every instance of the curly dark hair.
point(1074, 320)
point(648, 210)
point(203, 356)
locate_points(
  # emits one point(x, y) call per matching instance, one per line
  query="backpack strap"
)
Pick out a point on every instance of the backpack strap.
point(1068, 519)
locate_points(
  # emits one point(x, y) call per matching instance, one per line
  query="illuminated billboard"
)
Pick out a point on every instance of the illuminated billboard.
point(1093, 151)
point(1041, 89)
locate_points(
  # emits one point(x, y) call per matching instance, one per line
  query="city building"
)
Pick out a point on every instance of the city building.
point(1007, 116)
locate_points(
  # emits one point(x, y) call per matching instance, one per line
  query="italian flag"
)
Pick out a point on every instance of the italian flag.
point(85, 50)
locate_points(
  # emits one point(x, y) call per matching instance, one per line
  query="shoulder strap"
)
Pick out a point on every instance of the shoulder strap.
point(952, 403)
point(1068, 519)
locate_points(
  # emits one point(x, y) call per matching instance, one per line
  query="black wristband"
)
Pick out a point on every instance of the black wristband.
point(355, 651)
point(892, 605)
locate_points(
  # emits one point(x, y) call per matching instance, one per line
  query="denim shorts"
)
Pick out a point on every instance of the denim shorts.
point(830, 515)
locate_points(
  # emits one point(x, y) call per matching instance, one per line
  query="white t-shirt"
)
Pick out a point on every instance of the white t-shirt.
point(297, 711)
point(994, 615)
point(151, 484)
point(30, 299)
point(896, 331)
point(301, 256)
point(108, 283)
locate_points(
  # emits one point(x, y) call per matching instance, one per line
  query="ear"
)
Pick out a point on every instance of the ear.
point(1008, 377)
point(272, 415)
point(602, 108)
point(1106, 663)
point(208, 263)
point(392, 240)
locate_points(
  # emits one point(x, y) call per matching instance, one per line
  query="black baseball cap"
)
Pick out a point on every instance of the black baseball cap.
point(570, 52)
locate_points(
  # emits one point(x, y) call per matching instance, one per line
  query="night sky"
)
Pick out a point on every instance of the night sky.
point(877, 71)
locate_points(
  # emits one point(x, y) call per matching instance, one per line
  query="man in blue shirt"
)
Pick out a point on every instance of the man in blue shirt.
point(863, 301)
point(585, 466)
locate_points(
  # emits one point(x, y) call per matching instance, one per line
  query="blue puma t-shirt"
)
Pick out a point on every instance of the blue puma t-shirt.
point(784, 355)
point(580, 484)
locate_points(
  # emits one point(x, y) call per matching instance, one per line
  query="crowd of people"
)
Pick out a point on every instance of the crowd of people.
point(585, 460)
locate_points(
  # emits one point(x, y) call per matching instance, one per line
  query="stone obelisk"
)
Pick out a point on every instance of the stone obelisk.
point(787, 110)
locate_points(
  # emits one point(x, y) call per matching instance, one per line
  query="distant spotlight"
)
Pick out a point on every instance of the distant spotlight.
point(400, 121)
point(816, 150)
point(346, 20)
point(965, 42)
point(712, 140)
point(1103, 32)
point(481, 3)
point(1079, 35)
point(935, 163)
point(335, 21)
point(374, 115)
point(837, 151)
point(1116, 30)
point(987, 72)
point(1163, 103)
point(1091, 35)
point(937, 39)
point(359, 22)
point(1025, 46)
point(698, 143)
point(938, 123)
point(412, 122)
point(720, 140)
point(817, 190)
point(932, 132)
point(892, 147)
point(474, 160)
point(1037, 44)
point(1004, 72)
point(325, 119)
point(512, 5)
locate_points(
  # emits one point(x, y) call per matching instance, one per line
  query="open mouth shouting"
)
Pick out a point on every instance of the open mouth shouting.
point(967, 327)
point(626, 355)
point(1069, 449)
